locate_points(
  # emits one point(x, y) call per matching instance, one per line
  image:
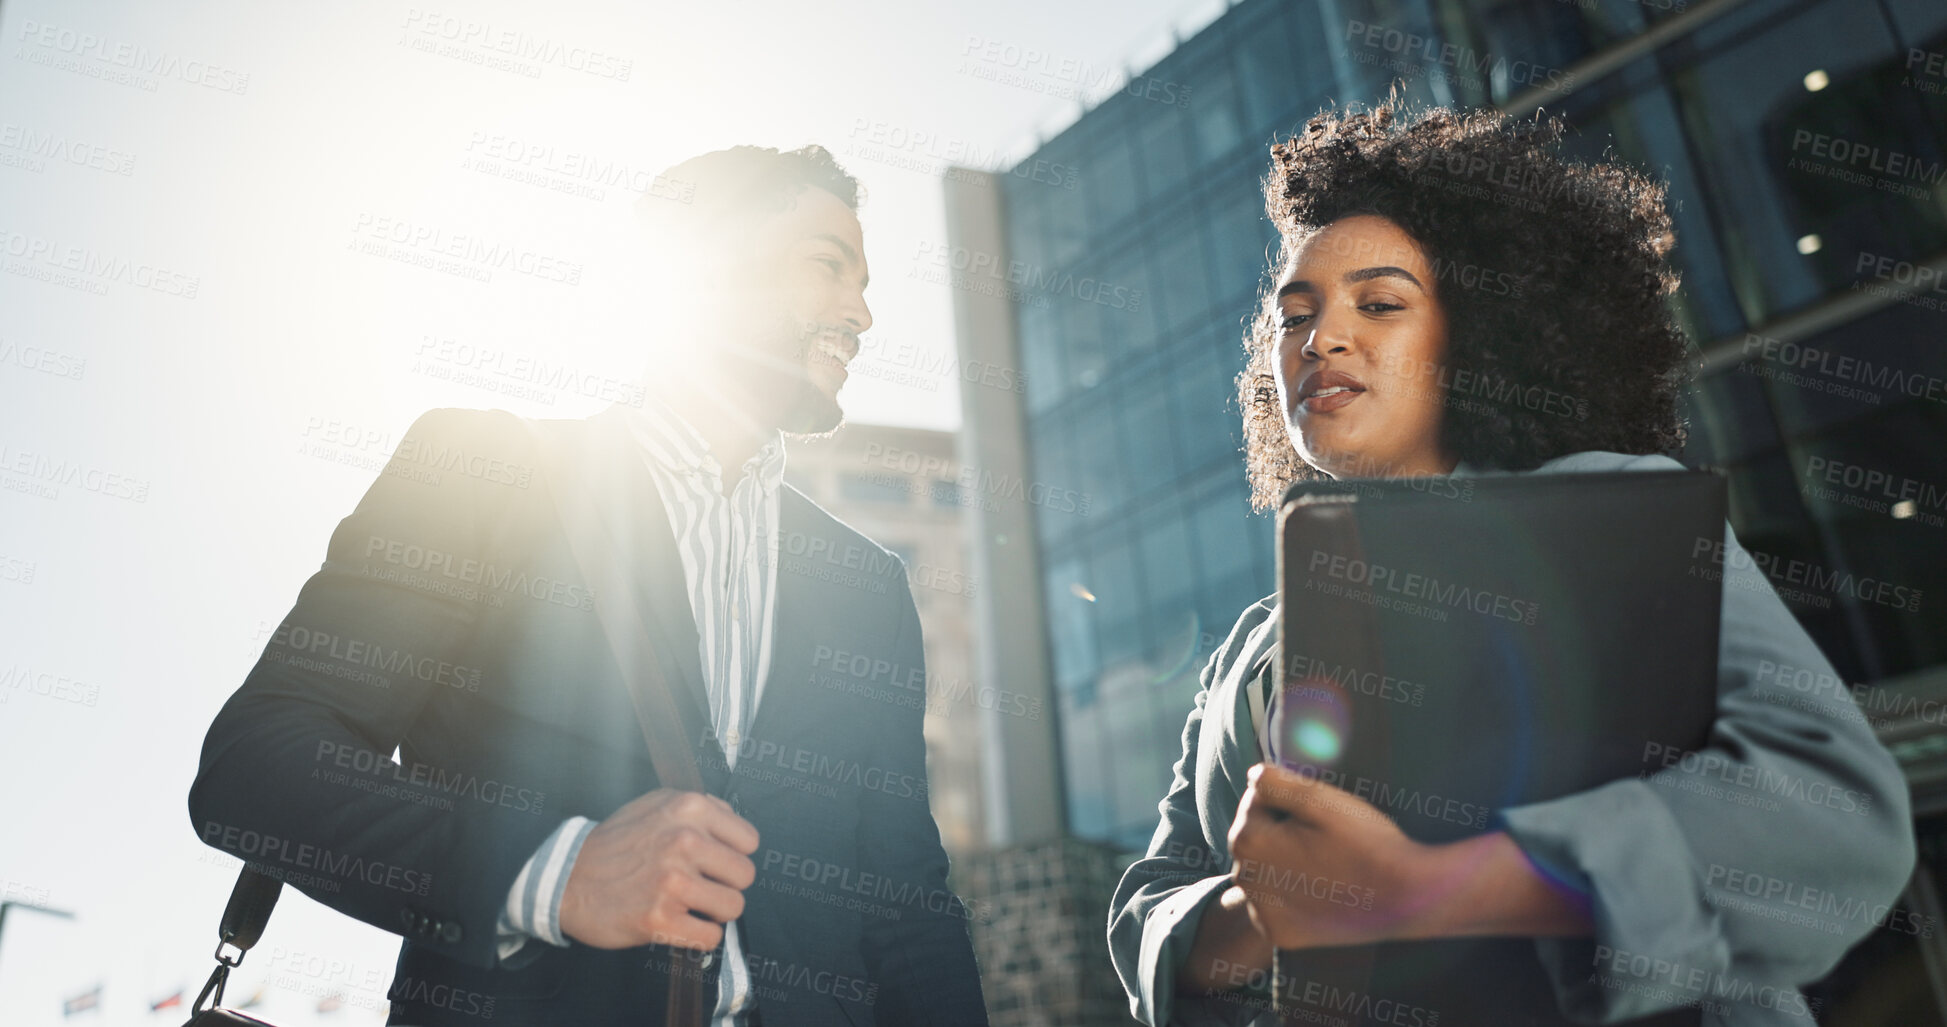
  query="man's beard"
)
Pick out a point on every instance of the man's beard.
point(806, 409)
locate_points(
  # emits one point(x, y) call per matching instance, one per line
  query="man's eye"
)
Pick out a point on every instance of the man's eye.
point(830, 263)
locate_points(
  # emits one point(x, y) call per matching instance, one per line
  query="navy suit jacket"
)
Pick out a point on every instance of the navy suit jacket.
point(450, 622)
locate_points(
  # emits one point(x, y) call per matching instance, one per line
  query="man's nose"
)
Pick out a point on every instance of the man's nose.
point(856, 315)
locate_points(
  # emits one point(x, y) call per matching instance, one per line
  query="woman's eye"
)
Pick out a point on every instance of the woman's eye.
point(1293, 320)
point(1382, 306)
point(830, 263)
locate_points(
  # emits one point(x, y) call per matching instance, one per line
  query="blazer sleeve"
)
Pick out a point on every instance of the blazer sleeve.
point(1160, 900)
point(271, 788)
point(1743, 869)
point(923, 960)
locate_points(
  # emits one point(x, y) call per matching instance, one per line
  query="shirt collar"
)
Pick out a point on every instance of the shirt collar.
point(674, 443)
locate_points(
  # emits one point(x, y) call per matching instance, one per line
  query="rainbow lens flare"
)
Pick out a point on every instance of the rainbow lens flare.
point(1310, 723)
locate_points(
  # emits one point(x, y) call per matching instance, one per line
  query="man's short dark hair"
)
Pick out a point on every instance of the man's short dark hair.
point(700, 224)
point(726, 185)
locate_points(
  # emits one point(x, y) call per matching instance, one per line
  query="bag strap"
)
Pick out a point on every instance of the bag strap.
point(244, 920)
point(248, 913)
point(627, 629)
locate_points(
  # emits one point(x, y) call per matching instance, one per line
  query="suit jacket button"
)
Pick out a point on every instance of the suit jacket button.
point(450, 933)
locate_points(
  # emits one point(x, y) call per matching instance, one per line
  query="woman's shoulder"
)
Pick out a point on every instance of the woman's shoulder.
point(1253, 615)
point(1248, 622)
point(1603, 460)
point(1586, 461)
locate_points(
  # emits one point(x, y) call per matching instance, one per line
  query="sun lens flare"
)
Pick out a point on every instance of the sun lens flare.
point(1310, 723)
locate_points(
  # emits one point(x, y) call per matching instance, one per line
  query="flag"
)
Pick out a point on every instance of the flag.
point(174, 1001)
point(81, 1003)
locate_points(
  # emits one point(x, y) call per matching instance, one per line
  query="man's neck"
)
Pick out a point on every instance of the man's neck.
point(731, 432)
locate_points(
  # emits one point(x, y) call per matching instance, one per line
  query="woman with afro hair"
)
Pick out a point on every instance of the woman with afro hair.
point(1454, 298)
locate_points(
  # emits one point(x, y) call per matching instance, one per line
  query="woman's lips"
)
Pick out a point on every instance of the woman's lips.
point(1329, 399)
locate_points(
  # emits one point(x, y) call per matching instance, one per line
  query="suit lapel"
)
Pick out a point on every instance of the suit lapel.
point(790, 647)
point(638, 522)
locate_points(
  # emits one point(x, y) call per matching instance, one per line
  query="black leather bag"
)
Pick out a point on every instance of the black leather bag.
point(243, 923)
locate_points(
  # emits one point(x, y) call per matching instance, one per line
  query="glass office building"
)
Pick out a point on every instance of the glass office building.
point(1805, 147)
point(1804, 144)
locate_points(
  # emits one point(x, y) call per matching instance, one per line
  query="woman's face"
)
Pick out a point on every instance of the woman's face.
point(1360, 343)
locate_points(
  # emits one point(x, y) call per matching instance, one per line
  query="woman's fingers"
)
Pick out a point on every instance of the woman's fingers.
point(1282, 793)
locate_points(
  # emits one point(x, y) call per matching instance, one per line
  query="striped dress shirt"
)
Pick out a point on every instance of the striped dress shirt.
point(728, 545)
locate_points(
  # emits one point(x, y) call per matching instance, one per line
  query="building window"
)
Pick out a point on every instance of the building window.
point(1782, 163)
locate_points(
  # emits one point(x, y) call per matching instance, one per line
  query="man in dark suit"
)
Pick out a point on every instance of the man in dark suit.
point(438, 741)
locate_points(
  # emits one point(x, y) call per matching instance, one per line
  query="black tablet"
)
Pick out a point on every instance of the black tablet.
point(1449, 647)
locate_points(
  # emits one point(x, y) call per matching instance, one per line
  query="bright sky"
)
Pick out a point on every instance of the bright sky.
point(245, 244)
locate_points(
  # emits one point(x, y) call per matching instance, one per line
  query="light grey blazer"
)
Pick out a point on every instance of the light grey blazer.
point(1667, 861)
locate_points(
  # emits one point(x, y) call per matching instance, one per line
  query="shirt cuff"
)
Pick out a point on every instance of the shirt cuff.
point(1168, 932)
point(1619, 845)
point(533, 907)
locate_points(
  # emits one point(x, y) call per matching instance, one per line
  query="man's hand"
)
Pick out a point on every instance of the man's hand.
point(1319, 866)
point(642, 872)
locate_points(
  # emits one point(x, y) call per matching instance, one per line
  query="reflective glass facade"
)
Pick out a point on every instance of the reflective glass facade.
point(1804, 144)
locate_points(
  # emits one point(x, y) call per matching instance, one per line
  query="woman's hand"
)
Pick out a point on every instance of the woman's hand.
point(1320, 867)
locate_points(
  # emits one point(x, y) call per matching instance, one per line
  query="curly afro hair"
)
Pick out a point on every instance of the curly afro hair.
point(1553, 276)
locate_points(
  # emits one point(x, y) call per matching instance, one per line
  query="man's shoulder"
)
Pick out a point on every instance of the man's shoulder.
point(493, 424)
point(447, 432)
point(802, 519)
point(465, 420)
point(467, 438)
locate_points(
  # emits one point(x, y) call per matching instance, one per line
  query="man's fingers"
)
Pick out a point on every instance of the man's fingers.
point(713, 815)
point(713, 900)
point(671, 922)
point(717, 861)
point(688, 932)
point(731, 829)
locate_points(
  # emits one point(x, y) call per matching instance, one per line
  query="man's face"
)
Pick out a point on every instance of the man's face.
point(795, 322)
